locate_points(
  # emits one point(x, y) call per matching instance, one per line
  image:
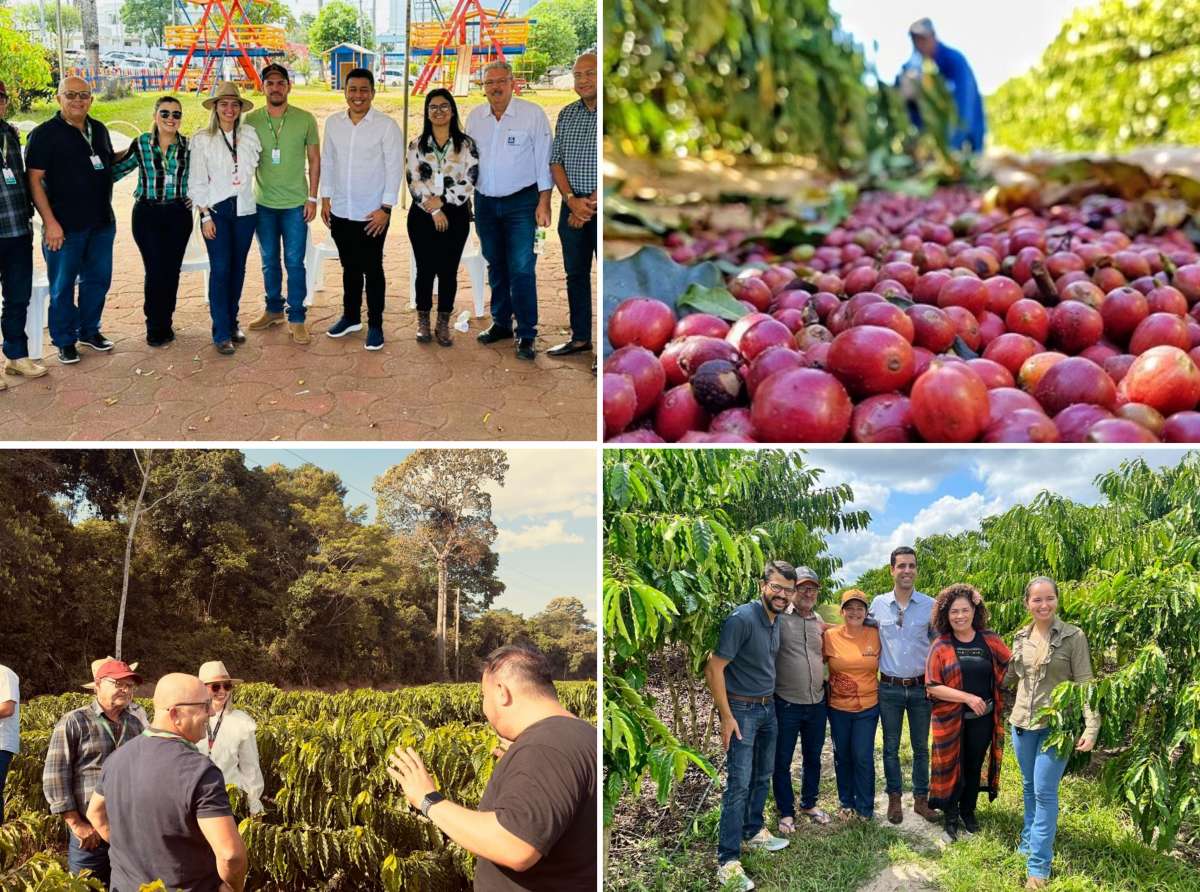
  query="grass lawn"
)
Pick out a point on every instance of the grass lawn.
point(1096, 850)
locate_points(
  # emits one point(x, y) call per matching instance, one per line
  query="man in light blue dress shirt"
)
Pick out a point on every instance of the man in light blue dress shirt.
point(905, 633)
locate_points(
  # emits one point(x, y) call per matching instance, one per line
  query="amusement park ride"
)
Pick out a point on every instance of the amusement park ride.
point(222, 31)
point(472, 33)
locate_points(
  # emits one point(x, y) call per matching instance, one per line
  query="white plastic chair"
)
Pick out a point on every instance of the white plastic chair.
point(314, 265)
point(195, 257)
point(476, 266)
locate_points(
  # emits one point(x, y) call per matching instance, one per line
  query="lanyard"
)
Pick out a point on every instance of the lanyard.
point(275, 133)
point(117, 741)
point(167, 735)
point(440, 152)
point(232, 148)
point(87, 135)
point(213, 732)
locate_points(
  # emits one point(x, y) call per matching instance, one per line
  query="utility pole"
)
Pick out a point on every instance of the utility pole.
point(457, 599)
point(62, 64)
point(407, 86)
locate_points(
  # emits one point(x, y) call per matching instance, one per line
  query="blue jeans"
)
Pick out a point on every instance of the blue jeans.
point(286, 224)
point(227, 266)
point(1041, 772)
point(578, 247)
point(748, 777)
point(5, 759)
point(808, 723)
point(85, 256)
point(894, 701)
point(853, 736)
point(95, 860)
point(506, 228)
point(16, 283)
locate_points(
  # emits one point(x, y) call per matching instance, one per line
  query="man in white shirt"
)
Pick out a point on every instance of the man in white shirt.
point(512, 199)
point(362, 163)
point(10, 725)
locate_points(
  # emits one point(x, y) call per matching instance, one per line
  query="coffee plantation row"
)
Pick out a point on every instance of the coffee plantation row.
point(334, 820)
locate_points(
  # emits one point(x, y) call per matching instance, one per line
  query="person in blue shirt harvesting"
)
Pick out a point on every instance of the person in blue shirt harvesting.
point(968, 131)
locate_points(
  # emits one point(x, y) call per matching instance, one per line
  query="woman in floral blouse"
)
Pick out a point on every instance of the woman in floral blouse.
point(443, 165)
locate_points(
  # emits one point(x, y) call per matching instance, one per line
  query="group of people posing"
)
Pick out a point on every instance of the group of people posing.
point(146, 800)
point(268, 172)
point(780, 674)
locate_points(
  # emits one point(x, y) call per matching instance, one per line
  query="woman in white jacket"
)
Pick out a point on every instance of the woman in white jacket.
point(230, 740)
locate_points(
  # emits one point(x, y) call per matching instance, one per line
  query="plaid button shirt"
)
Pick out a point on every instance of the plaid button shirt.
point(16, 208)
point(79, 744)
point(156, 170)
point(575, 147)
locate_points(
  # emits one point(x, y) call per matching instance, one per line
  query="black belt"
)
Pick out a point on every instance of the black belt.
point(512, 194)
point(761, 700)
point(164, 203)
point(903, 682)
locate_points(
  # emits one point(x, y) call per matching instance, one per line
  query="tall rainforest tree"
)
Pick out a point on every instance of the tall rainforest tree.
point(1129, 573)
point(437, 499)
point(686, 535)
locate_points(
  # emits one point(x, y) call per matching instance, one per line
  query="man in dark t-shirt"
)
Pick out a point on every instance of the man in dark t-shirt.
point(536, 824)
point(161, 804)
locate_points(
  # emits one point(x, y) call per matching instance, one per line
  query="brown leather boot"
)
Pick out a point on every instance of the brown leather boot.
point(442, 332)
point(921, 807)
point(423, 334)
point(895, 810)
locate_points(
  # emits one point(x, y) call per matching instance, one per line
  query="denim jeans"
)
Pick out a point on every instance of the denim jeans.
point(95, 860)
point(748, 766)
point(506, 228)
point(16, 284)
point(227, 266)
point(85, 257)
point(5, 760)
point(1041, 772)
point(578, 247)
point(286, 224)
point(894, 701)
point(853, 736)
point(807, 722)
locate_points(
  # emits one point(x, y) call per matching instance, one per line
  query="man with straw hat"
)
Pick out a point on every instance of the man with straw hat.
point(229, 738)
point(79, 745)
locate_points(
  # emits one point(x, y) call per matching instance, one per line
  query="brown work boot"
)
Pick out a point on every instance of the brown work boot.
point(442, 332)
point(921, 807)
point(299, 332)
point(266, 320)
point(1036, 883)
point(895, 811)
point(24, 366)
point(424, 336)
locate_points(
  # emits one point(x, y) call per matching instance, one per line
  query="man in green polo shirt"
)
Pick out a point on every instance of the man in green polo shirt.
point(287, 200)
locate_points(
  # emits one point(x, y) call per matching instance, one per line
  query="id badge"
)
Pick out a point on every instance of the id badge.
point(237, 179)
point(97, 164)
point(274, 156)
point(9, 178)
point(168, 182)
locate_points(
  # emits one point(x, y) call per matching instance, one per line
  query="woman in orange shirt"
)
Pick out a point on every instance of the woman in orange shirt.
point(852, 654)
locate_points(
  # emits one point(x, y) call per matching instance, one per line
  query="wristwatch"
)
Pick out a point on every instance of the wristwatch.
point(387, 210)
point(430, 800)
point(312, 199)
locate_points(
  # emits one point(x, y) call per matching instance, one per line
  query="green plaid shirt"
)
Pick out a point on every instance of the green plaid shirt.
point(79, 744)
point(160, 177)
point(16, 209)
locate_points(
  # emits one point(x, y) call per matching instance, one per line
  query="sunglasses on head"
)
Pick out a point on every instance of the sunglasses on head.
point(165, 113)
point(215, 686)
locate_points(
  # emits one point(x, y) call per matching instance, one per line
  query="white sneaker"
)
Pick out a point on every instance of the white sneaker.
point(731, 876)
point(765, 841)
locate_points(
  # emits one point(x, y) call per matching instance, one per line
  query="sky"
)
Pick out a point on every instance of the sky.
point(916, 493)
point(545, 513)
point(1000, 40)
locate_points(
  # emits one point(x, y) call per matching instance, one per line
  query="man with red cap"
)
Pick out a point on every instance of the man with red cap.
point(80, 743)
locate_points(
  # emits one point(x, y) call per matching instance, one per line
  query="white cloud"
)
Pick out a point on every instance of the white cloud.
point(537, 536)
point(544, 482)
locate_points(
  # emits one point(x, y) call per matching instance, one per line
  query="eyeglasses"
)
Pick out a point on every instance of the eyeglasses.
point(776, 589)
point(73, 95)
point(215, 686)
point(207, 704)
point(438, 108)
point(496, 83)
point(167, 113)
point(121, 685)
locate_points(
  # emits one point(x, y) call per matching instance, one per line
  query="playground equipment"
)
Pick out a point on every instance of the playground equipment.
point(223, 31)
point(471, 33)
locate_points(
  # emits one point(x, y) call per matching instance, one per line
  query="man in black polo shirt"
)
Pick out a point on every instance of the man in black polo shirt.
point(70, 159)
point(741, 675)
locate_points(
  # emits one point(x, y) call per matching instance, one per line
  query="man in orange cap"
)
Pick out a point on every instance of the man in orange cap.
point(80, 743)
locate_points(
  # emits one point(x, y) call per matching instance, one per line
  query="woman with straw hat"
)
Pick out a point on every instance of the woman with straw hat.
point(230, 740)
point(224, 158)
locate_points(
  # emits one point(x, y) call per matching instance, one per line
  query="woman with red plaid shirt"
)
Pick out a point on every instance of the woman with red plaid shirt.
point(963, 677)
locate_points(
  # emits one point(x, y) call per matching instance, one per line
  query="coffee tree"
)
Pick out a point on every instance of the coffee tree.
point(686, 535)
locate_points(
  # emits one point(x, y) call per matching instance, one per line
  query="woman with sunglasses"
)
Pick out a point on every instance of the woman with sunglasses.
point(230, 740)
point(443, 165)
point(162, 214)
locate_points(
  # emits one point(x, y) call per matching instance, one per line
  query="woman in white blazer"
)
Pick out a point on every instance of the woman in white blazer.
point(230, 740)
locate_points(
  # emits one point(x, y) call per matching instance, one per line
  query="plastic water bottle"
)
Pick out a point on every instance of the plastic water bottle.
point(539, 240)
point(464, 322)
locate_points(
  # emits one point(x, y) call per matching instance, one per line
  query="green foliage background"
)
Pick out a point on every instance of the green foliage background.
point(338, 22)
point(24, 67)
